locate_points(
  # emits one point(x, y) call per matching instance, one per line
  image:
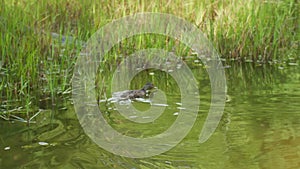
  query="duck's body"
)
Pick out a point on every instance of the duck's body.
point(132, 94)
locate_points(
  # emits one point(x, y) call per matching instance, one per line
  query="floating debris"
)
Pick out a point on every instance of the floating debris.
point(151, 73)
point(20, 119)
point(146, 117)
point(178, 66)
point(226, 66)
point(102, 101)
point(43, 143)
point(181, 108)
point(160, 104)
point(168, 162)
point(4, 117)
point(7, 148)
point(228, 98)
point(293, 64)
point(179, 104)
point(176, 114)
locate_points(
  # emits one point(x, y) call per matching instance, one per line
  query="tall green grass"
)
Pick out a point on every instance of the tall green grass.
point(35, 65)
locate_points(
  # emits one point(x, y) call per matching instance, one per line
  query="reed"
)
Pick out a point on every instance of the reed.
point(35, 64)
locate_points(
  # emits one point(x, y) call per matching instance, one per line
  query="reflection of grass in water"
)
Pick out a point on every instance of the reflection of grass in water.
point(34, 66)
point(247, 77)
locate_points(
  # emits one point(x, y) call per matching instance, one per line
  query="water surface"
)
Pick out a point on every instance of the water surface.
point(260, 129)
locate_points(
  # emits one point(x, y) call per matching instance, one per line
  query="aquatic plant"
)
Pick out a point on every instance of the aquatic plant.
point(40, 40)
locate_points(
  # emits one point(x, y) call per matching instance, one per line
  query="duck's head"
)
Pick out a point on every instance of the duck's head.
point(148, 86)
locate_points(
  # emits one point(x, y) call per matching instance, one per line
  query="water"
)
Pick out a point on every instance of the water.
point(260, 129)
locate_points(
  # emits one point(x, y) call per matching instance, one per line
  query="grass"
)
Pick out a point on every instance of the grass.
point(36, 66)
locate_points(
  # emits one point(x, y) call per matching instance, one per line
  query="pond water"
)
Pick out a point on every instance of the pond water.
point(260, 129)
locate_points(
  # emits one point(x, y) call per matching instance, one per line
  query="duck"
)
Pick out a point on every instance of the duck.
point(133, 94)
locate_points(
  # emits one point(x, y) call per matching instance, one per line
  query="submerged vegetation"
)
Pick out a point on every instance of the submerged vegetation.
point(37, 57)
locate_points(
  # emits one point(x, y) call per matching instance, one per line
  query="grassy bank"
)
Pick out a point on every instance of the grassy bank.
point(37, 66)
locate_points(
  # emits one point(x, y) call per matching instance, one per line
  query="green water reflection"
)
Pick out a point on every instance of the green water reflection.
point(260, 128)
